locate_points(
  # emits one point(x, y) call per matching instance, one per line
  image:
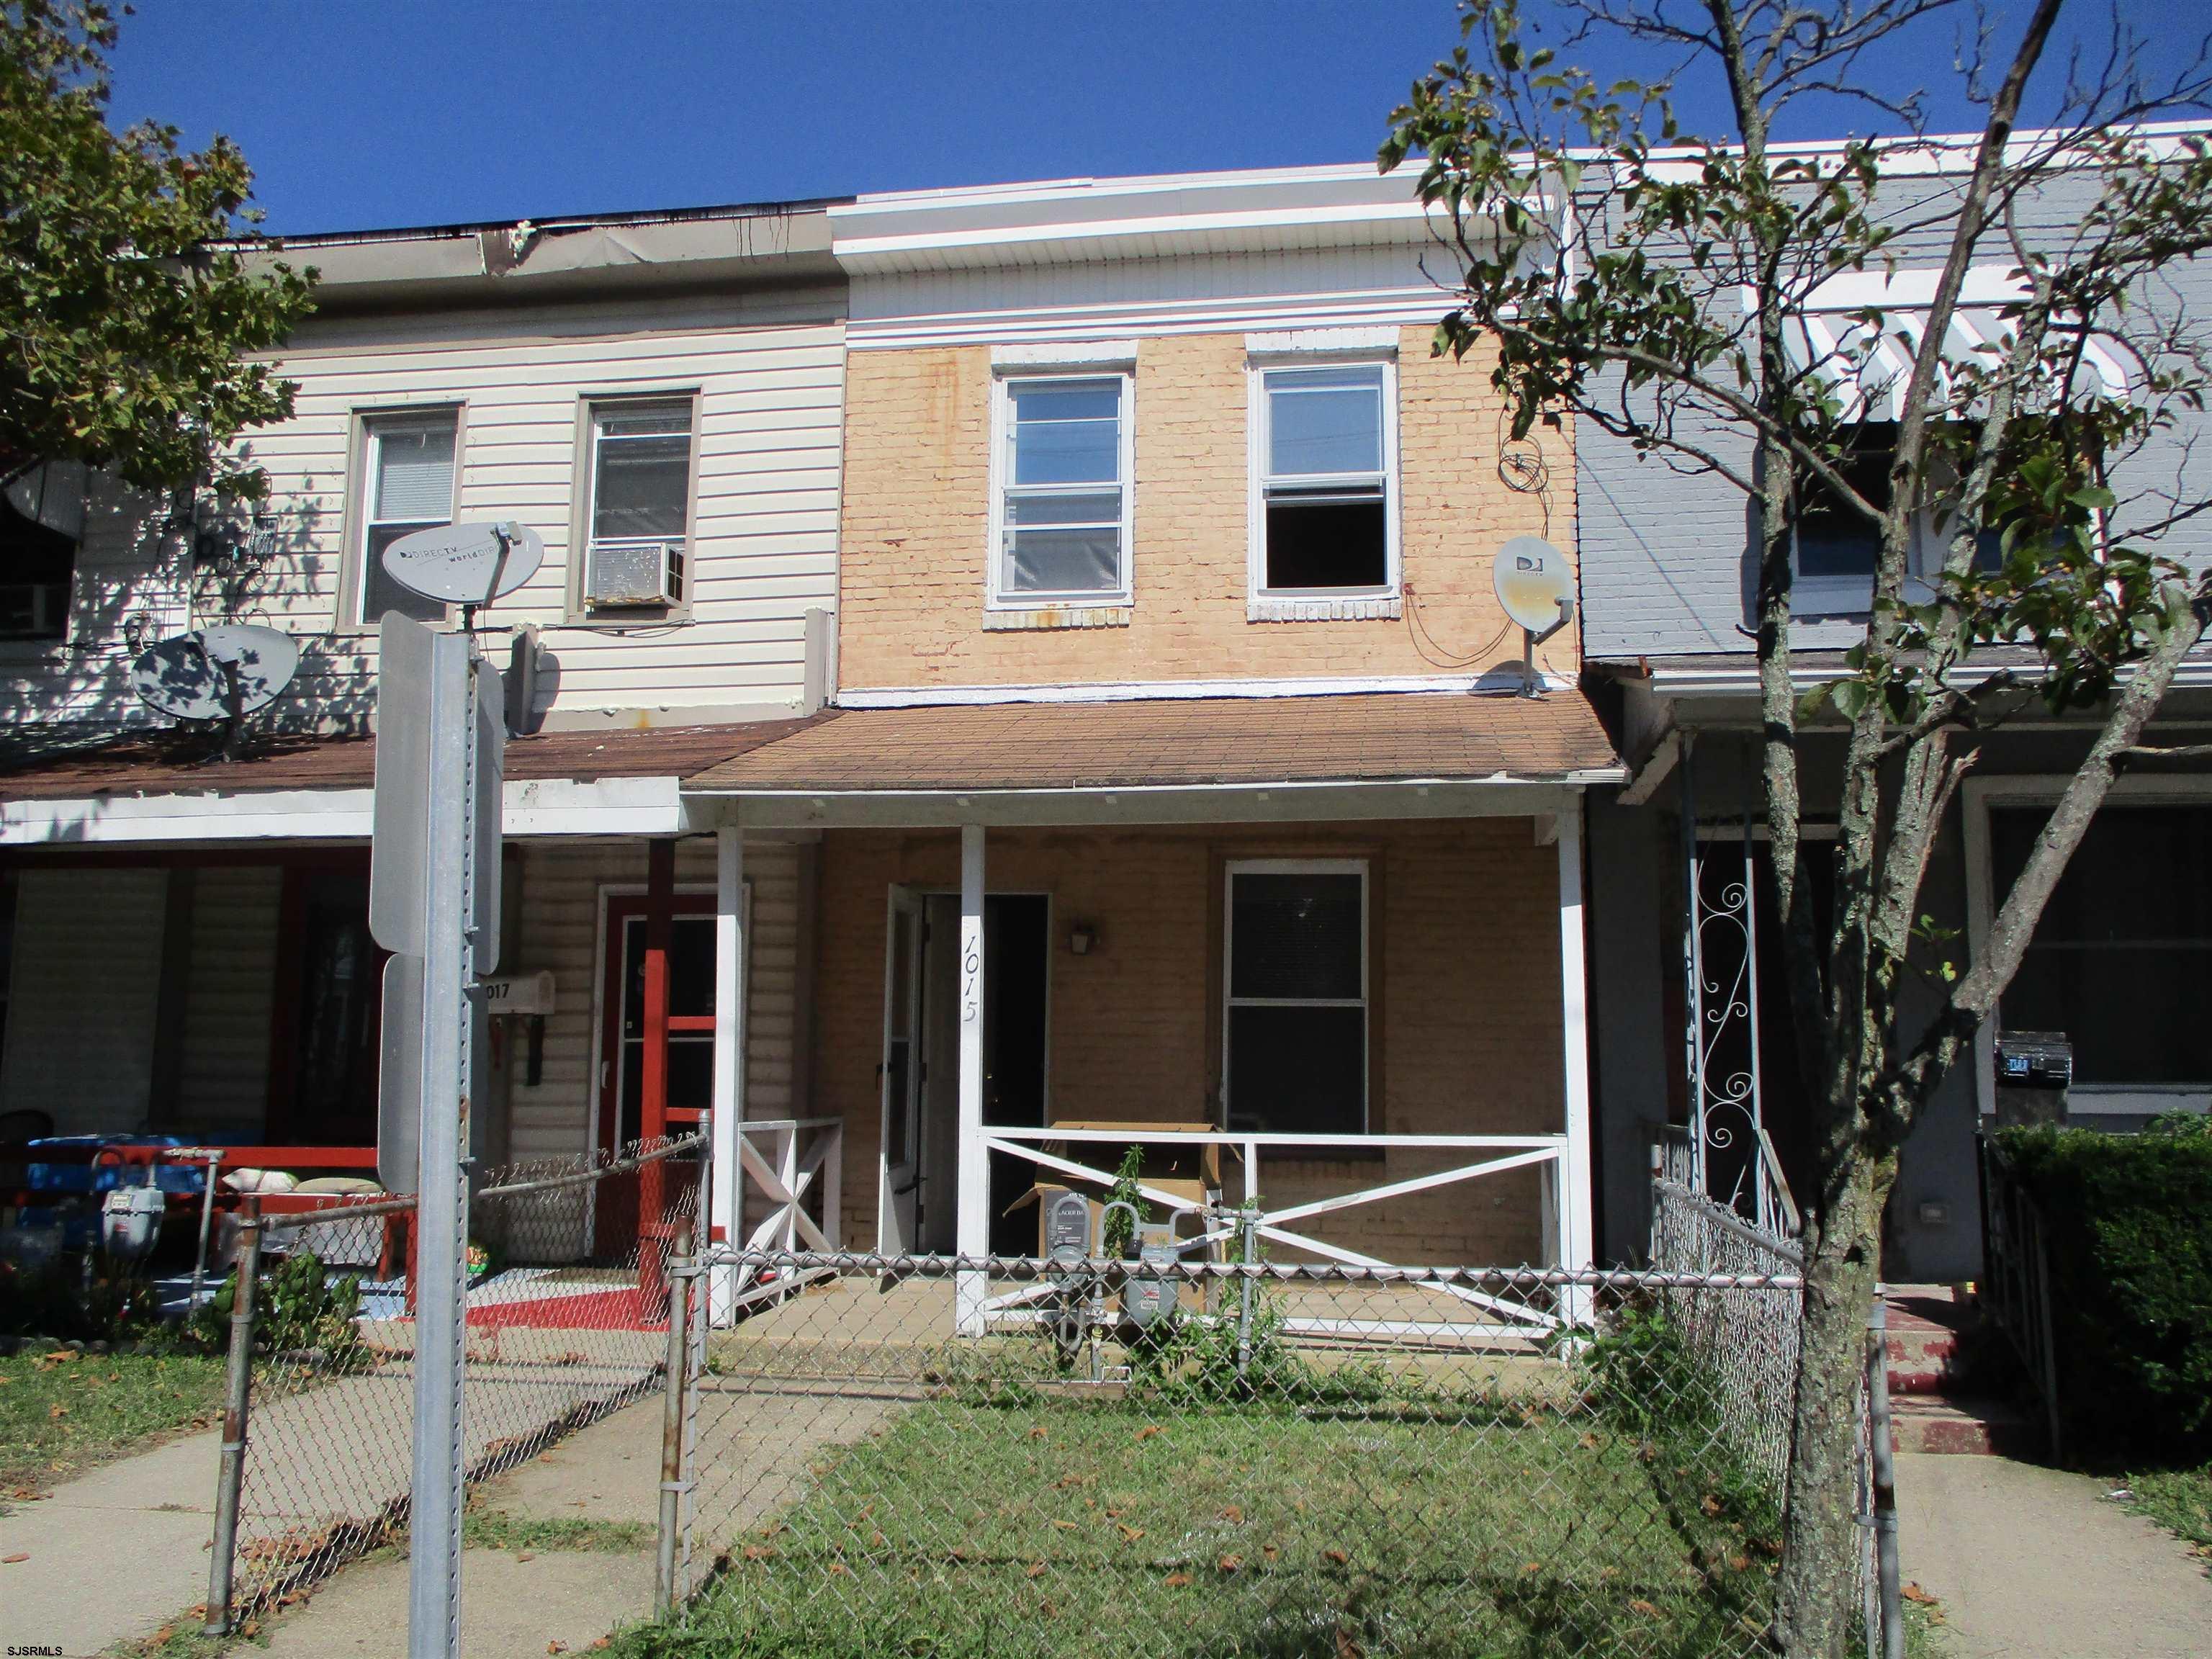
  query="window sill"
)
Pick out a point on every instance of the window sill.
point(628, 618)
point(1056, 616)
point(1373, 607)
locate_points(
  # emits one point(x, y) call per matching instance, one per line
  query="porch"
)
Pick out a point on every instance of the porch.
point(1339, 1017)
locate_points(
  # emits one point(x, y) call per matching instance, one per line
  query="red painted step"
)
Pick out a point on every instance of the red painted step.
point(1957, 1427)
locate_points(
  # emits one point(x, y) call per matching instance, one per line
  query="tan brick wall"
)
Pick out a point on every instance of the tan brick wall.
point(917, 513)
point(1466, 985)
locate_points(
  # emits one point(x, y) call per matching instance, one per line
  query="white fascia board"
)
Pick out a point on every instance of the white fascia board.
point(1090, 218)
point(1500, 796)
point(2194, 672)
point(928, 696)
point(1927, 155)
point(541, 807)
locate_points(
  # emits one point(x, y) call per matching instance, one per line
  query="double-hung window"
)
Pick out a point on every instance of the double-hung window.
point(637, 508)
point(408, 477)
point(1294, 1046)
point(1325, 454)
point(1836, 546)
point(1060, 530)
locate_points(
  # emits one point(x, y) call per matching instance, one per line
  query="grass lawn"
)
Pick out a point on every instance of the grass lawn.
point(2181, 1500)
point(59, 1416)
point(1050, 1528)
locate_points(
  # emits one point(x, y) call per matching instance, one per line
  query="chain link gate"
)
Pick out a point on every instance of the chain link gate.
point(1208, 1458)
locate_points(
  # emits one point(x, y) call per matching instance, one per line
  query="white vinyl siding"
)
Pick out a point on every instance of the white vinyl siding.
point(767, 372)
point(84, 995)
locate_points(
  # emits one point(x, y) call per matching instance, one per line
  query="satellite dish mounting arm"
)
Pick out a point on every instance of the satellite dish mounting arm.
point(1530, 638)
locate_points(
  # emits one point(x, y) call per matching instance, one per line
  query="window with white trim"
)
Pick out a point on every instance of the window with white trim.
point(1326, 465)
point(1836, 546)
point(1294, 1048)
point(637, 501)
point(407, 476)
point(1060, 512)
point(2120, 959)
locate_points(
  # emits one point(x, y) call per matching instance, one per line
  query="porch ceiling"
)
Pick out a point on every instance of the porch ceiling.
point(1356, 754)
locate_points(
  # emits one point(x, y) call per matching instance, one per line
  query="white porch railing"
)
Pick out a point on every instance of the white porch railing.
point(779, 1162)
point(1229, 1220)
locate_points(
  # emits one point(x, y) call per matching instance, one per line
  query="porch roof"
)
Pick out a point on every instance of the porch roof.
point(139, 788)
point(936, 756)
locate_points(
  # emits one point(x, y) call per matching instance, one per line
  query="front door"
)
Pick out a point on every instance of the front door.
point(901, 1074)
point(622, 1038)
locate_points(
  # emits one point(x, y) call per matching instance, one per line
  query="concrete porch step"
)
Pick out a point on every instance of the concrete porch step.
point(1955, 1427)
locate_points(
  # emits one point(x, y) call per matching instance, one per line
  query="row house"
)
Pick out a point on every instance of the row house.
point(1066, 707)
point(1692, 1037)
point(660, 397)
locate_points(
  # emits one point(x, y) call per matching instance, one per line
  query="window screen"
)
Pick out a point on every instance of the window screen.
point(2121, 960)
point(1296, 1039)
point(410, 487)
point(1062, 507)
point(1325, 480)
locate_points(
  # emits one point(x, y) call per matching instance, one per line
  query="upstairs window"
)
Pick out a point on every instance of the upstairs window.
point(1295, 1049)
point(1836, 545)
point(1327, 512)
point(41, 522)
point(637, 512)
point(1060, 529)
point(408, 474)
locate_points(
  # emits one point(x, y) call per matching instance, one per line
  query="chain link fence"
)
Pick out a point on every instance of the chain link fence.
point(1020, 1456)
point(567, 1320)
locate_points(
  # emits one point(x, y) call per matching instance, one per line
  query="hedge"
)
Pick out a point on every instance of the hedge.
point(2129, 1222)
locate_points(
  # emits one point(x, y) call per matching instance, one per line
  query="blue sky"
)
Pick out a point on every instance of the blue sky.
point(356, 114)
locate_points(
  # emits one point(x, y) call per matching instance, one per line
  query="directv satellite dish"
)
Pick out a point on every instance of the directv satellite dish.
point(190, 677)
point(468, 564)
point(1534, 584)
point(1538, 591)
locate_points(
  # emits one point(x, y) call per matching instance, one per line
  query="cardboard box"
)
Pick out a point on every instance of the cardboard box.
point(1189, 1172)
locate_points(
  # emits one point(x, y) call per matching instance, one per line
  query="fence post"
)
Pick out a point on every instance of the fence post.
point(237, 1387)
point(1885, 1479)
point(680, 1274)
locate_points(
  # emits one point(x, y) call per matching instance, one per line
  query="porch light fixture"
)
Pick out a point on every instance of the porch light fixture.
point(1081, 938)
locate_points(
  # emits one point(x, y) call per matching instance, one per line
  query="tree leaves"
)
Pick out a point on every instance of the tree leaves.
point(134, 312)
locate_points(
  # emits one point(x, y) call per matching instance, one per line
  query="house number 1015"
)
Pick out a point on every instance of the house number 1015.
point(971, 970)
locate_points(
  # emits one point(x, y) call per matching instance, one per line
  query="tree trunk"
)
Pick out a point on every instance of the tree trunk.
point(1815, 1611)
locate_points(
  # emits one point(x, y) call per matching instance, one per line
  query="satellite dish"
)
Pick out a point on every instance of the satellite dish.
point(465, 563)
point(189, 676)
point(52, 493)
point(1534, 584)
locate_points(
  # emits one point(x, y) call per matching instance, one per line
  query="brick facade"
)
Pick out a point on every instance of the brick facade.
point(916, 513)
point(1464, 986)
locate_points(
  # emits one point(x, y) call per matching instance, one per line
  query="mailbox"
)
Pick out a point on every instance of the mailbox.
point(2034, 1071)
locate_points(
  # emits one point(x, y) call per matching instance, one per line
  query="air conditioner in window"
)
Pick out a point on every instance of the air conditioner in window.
point(634, 573)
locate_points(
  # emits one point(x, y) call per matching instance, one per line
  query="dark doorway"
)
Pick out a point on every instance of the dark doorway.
point(1016, 998)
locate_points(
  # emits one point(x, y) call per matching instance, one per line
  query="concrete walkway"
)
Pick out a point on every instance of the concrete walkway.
point(112, 1555)
point(2030, 1563)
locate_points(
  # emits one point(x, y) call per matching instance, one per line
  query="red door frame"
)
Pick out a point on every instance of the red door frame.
point(658, 906)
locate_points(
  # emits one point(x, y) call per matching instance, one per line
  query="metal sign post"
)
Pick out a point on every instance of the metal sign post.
point(439, 763)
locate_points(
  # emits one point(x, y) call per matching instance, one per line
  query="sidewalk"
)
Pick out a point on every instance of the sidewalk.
point(2030, 1563)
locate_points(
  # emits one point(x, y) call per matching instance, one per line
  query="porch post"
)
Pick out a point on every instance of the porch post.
point(727, 1223)
point(653, 1084)
point(972, 1229)
point(1577, 1249)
